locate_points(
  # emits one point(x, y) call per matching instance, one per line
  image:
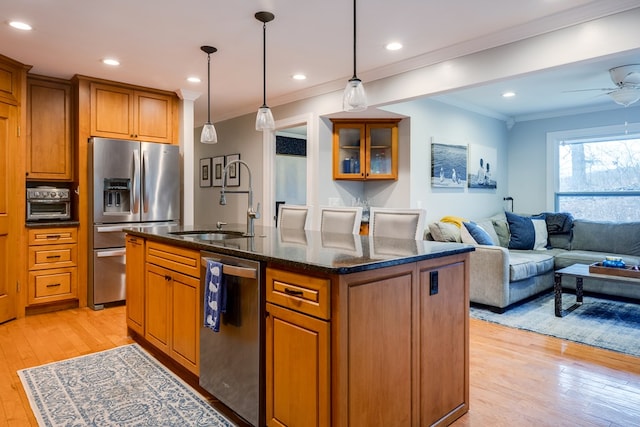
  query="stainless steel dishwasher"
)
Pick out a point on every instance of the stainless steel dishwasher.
point(231, 360)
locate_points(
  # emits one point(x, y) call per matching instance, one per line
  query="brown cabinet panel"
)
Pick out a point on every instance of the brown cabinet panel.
point(154, 117)
point(49, 136)
point(299, 292)
point(157, 307)
point(379, 349)
point(53, 256)
point(50, 236)
point(135, 283)
point(443, 355)
point(297, 369)
point(185, 320)
point(52, 285)
point(111, 111)
point(186, 261)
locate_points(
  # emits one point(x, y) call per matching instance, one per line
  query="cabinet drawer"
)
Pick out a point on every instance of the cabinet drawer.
point(54, 256)
point(305, 294)
point(52, 285)
point(185, 261)
point(53, 236)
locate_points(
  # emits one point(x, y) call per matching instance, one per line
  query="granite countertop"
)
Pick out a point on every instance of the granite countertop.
point(306, 249)
point(52, 224)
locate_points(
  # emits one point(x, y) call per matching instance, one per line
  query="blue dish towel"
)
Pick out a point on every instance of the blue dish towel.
point(214, 295)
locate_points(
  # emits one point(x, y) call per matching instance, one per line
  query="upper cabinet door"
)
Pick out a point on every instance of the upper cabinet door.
point(153, 120)
point(124, 113)
point(111, 111)
point(365, 150)
point(49, 136)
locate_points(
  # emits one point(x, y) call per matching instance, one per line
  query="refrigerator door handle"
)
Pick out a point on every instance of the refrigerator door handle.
point(111, 253)
point(144, 186)
point(135, 190)
point(110, 228)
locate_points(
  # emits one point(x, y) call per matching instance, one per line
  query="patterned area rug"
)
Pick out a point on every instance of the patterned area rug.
point(609, 324)
point(124, 386)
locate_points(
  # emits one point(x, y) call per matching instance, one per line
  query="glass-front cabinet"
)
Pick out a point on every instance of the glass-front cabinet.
point(365, 149)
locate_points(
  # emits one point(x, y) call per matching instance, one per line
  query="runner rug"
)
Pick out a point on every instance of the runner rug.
point(609, 324)
point(124, 386)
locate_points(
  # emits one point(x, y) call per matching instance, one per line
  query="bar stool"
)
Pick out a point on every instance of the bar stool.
point(345, 220)
point(397, 223)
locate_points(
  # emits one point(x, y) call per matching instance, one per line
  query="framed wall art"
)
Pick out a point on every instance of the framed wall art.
point(482, 167)
point(217, 169)
point(233, 173)
point(205, 172)
point(448, 165)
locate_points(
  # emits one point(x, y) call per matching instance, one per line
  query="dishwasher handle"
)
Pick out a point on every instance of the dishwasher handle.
point(234, 270)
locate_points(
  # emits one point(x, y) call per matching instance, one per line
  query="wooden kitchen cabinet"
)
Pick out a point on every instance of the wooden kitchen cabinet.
point(365, 149)
point(393, 338)
point(49, 124)
point(442, 333)
point(135, 274)
point(298, 360)
point(52, 262)
point(173, 302)
point(125, 113)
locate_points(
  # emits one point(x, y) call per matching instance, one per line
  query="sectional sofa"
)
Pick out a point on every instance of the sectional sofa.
point(516, 255)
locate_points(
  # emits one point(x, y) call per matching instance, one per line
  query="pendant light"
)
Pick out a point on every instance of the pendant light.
point(209, 134)
point(354, 98)
point(264, 118)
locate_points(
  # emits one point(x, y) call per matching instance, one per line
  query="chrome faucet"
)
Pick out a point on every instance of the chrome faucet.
point(251, 214)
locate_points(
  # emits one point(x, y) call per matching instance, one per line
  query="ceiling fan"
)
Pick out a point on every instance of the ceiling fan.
point(627, 81)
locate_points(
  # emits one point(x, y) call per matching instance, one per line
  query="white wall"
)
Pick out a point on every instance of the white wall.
point(234, 136)
point(432, 119)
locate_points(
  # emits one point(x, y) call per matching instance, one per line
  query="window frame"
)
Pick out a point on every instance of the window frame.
point(554, 139)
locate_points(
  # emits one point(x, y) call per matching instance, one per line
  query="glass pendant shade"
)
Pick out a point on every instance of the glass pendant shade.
point(354, 98)
point(209, 134)
point(264, 119)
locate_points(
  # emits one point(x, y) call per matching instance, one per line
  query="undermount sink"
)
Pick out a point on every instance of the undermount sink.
point(210, 234)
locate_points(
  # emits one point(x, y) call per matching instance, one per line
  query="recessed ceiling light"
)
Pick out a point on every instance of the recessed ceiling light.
point(20, 25)
point(394, 46)
point(193, 79)
point(508, 94)
point(299, 76)
point(111, 61)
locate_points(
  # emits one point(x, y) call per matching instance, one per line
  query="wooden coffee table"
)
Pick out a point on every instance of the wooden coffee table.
point(579, 271)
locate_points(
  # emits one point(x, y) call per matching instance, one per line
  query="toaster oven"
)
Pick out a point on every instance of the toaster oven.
point(48, 203)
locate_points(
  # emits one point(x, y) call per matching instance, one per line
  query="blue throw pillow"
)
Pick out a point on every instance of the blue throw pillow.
point(523, 235)
point(523, 232)
point(478, 233)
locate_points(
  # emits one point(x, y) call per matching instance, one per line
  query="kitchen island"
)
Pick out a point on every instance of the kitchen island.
point(357, 331)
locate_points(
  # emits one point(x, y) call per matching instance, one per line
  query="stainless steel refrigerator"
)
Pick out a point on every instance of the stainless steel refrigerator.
point(134, 184)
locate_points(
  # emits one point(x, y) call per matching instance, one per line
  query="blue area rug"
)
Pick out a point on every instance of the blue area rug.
point(124, 386)
point(613, 325)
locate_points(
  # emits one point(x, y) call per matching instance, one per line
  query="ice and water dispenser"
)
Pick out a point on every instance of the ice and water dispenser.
point(117, 195)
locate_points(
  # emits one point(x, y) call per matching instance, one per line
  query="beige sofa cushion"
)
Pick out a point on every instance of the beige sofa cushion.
point(444, 232)
point(525, 264)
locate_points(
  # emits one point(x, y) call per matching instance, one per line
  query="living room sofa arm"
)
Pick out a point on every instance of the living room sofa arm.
point(489, 275)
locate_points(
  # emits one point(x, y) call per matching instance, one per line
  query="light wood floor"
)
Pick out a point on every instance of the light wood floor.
point(517, 378)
